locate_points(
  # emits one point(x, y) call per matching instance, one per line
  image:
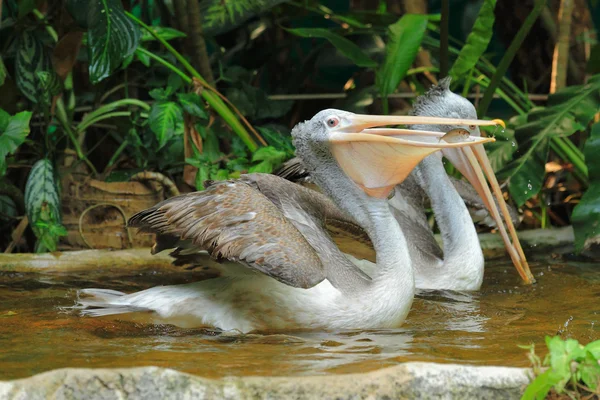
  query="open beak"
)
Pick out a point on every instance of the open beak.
point(474, 164)
point(379, 159)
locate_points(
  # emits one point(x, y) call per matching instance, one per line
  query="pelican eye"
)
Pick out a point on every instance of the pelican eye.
point(472, 127)
point(332, 122)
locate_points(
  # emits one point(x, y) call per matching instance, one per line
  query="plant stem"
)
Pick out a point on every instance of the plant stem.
point(444, 35)
point(560, 149)
point(578, 162)
point(61, 115)
point(166, 64)
point(209, 95)
point(560, 58)
point(385, 106)
point(91, 121)
point(509, 55)
point(110, 107)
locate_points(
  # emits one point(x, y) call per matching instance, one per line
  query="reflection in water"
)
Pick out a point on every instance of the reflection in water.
point(483, 327)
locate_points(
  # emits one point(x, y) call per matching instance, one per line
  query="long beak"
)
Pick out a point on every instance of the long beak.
point(377, 162)
point(360, 122)
point(469, 161)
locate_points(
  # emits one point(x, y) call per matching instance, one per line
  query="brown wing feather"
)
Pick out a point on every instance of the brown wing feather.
point(235, 221)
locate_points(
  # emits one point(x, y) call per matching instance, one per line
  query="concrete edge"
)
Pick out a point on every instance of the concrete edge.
point(414, 380)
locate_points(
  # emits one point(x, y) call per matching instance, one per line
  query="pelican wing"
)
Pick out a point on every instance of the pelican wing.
point(234, 221)
point(318, 218)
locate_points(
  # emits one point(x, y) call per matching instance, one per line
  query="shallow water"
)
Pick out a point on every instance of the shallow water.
point(484, 327)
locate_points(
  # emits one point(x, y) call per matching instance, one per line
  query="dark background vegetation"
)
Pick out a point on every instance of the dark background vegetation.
point(91, 91)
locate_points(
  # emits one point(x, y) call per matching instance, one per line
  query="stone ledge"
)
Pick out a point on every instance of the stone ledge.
point(413, 380)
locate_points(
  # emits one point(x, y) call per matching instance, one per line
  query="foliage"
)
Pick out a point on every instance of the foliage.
point(32, 66)
point(572, 369)
point(42, 204)
point(345, 46)
point(477, 42)
point(405, 38)
point(13, 131)
point(112, 37)
point(586, 216)
point(569, 111)
point(223, 15)
point(131, 101)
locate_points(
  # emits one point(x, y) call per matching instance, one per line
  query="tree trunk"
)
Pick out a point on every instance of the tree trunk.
point(196, 40)
point(560, 59)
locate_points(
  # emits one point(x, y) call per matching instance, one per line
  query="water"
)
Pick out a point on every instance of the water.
point(481, 328)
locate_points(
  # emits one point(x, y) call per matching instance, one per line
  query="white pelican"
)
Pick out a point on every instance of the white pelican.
point(289, 274)
point(460, 266)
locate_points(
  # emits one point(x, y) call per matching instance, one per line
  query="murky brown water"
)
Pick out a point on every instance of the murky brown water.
point(475, 328)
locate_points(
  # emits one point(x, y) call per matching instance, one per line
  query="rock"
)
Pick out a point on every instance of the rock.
point(410, 380)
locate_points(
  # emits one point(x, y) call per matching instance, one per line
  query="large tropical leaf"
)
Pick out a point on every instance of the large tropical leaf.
point(42, 204)
point(112, 37)
point(345, 46)
point(404, 39)
point(501, 151)
point(586, 216)
point(35, 75)
point(569, 111)
point(165, 119)
point(477, 41)
point(13, 131)
point(220, 16)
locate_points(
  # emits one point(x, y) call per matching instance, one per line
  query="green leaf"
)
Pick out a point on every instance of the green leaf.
point(192, 104)
point(25, 7)
point(162, 32)
point(159, 94)
point(34, 70)
point(568, 112)
point(270, 158)
point(590, 371)
point(404, 39)
point(42, 204)
point(539, 388)
point(13, 135)
point(112, 37)
point(220, 16)
point(4, 119)
point(277, 139)
point(586, 215)
point(3, 72)
point(345, 46)
point(477, 41)
point(501, 151)
point(594, 348)
point(8, 208)
point(143, 58)
point(164, 118)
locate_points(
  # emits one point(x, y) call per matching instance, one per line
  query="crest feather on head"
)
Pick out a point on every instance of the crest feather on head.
point(432, 95)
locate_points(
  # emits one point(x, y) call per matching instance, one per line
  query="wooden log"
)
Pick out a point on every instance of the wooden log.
point(85, 260)
point(559, 240)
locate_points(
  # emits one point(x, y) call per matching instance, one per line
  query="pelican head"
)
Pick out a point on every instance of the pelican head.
point(375, 158)
point(472, 162)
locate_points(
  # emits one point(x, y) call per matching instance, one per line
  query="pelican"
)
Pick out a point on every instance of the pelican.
point(460, 265)
point(280, 269)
